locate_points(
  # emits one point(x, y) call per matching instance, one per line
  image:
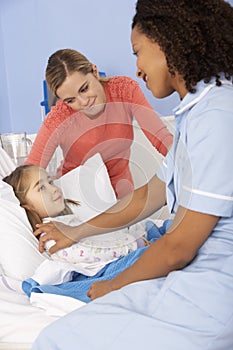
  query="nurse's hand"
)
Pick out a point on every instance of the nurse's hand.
point(98, 289)
point(56, 231)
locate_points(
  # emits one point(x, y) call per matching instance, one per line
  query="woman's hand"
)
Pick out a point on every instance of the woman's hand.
point(98, 289)
point(56, 231)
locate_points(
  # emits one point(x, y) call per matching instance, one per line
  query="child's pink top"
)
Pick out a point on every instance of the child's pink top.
point(110, 134)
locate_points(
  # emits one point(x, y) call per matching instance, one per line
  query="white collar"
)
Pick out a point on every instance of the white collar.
point(198, 98)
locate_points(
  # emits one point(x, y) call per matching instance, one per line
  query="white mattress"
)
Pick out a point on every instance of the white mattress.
point(22, 319)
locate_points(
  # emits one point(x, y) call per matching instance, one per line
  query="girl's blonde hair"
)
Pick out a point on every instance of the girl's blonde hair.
point(64, 62)
point(19, 180)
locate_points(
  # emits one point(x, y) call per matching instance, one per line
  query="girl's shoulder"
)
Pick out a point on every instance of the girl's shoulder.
point(68, 219)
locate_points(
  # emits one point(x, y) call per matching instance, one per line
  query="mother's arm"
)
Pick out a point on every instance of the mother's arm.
point(43, 148)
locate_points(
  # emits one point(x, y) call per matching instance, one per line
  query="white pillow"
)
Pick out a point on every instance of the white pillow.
point(7, 165)
point(19, 255)
point(90, 185)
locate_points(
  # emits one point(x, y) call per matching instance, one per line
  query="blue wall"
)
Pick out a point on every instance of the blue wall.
point(4, 120)
point(31, 30)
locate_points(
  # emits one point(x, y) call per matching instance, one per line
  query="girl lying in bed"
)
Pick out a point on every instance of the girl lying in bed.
point(102, 257)
point(43, 200)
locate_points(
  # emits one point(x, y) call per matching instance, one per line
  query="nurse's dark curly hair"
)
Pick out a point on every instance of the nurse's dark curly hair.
point(196, 36)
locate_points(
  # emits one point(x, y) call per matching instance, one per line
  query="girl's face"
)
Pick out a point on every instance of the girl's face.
point(83, 93)
point(152, 67)
point(43, 196)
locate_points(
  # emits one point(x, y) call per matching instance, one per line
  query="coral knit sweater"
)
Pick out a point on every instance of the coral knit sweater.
point(110, 134)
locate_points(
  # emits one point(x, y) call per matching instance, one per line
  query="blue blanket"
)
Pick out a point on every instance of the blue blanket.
point(80, 284)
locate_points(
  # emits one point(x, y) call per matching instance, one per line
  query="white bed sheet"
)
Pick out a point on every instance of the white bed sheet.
point(22, 319)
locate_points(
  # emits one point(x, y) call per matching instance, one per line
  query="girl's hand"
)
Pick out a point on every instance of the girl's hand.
point(54, 231)
point(98, 289)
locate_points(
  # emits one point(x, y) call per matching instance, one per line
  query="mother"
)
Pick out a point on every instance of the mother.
point(94, 115)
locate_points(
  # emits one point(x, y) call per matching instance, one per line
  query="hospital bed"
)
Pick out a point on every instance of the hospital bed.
point(22, 319)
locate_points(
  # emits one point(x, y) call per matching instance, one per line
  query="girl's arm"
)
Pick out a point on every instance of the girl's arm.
point(173, 251)
point(134, 207)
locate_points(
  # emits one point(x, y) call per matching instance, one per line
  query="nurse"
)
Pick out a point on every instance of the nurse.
point(179, 294)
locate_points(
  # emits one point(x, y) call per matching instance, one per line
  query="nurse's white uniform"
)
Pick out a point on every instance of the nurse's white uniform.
point(190, 309)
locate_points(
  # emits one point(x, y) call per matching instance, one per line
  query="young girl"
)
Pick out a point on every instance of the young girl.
point(43, 200)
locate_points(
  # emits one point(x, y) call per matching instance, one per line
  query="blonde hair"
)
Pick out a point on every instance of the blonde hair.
point(64, 62)
point(19, 180)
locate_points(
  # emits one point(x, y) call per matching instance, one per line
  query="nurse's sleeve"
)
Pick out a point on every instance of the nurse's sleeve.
point(206, 176)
